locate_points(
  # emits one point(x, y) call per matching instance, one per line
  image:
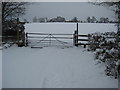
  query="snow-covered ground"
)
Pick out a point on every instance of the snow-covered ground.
point(55, 67)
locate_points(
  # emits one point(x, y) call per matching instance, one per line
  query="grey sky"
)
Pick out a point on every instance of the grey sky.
point(68, 10)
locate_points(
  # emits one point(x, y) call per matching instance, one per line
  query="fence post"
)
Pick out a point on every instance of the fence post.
point(18, 37)
point(77, 36)
point(23, 38)
point(75, 39)
point(26, 39)
point(77, 28)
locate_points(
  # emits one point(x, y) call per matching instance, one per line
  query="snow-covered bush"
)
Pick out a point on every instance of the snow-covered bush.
point(7, 45)
point(106, 50)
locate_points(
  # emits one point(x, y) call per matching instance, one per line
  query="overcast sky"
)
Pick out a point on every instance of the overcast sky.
point(81, 10)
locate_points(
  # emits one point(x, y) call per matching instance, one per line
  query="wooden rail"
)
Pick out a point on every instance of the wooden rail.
point(48, 34)
point(83, 44)
point(83, 40)
point(79, 41)
point(82, 35)
point(51, 37)
point(8, 36)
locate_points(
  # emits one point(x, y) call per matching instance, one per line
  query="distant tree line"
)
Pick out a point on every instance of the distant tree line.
point(101, 20)
point(74, 19)
point(45, 19)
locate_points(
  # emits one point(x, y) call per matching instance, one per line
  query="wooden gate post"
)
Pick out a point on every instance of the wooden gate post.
point(23, 38)
point(76, 36)
point(75, 39)
point(26, 39)
point(77, 28)
point(18, 37)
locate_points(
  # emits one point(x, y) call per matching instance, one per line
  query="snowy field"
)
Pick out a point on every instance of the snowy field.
point(69, 28)
point(55, 67)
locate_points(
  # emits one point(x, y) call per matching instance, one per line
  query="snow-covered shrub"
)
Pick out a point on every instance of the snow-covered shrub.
point(7, 45)
point(106, 50)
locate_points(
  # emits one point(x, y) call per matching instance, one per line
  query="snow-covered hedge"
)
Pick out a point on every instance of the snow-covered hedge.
point(106, 50)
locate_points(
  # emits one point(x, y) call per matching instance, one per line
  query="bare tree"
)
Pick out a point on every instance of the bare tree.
point(10, 15)
point(12, 9)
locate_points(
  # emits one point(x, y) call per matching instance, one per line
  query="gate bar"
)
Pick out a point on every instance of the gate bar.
point(52, 37)
point(48, 34)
